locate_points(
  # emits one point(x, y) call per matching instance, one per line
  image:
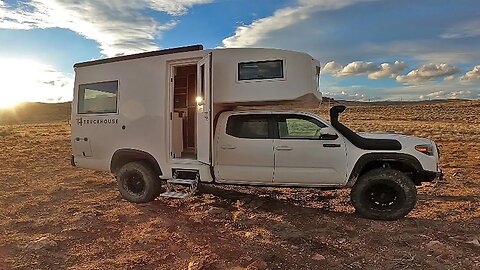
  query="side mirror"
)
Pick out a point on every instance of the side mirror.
point(328, 133)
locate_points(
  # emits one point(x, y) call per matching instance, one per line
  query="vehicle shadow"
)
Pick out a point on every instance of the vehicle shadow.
point(446, 198)
point(274, 199)
point(276, 223)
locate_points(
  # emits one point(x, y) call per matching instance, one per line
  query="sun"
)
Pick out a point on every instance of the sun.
point(7, 102)
point(26, 80)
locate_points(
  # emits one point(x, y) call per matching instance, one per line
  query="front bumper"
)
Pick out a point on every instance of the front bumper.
point(429, 176)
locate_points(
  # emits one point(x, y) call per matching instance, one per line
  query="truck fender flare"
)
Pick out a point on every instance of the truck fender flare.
point(406, 159)
point(124, 156)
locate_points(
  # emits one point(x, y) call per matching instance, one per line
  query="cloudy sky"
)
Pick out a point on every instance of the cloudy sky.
point(369, 49)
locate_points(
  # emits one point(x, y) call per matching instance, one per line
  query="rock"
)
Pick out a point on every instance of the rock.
point(474, 242)
point(146, 239)
point(438, 247)
point(196, 265)
point(318, 257)
point(41, 243)
point(257, 265)
point(252, 234)
point(219, 212)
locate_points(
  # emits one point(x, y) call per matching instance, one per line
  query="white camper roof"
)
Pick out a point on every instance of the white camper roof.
point(294, 79)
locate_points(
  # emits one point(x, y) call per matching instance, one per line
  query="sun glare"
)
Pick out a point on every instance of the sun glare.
point(24, 80)
point(8, 104)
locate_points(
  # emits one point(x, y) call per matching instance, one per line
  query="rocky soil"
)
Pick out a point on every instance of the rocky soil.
point(55, 216)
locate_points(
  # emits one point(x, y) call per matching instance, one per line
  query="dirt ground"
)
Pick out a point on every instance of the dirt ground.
point(55, 216)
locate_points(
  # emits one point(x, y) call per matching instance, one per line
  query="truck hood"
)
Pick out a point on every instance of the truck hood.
point(399, 137)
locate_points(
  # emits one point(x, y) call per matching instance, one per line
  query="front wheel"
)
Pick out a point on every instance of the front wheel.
point(384, 194)
point(137, 182)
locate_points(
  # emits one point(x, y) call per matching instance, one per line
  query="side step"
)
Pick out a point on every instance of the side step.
point(188, 186)
point(175, 195)
point(181, 181)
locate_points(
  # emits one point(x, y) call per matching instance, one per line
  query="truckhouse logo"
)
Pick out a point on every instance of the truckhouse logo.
point(81, 121)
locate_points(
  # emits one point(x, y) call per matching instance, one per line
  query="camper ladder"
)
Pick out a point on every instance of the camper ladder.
point(180, 188)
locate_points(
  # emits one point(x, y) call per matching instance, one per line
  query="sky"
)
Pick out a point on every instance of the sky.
point(369, 49)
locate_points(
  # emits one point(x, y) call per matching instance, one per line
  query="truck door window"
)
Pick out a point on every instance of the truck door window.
point(299, 127)
point(248, 126)
point(97, 98)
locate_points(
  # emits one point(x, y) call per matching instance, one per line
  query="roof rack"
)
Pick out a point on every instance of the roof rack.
point(140, 55)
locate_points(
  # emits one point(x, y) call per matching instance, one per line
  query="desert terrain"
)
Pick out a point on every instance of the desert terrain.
point(54, 216)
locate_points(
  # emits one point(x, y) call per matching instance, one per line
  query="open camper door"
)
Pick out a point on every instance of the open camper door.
point(204, 107)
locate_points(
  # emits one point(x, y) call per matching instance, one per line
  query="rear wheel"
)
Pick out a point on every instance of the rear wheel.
point(137, 182)
point(384, 194)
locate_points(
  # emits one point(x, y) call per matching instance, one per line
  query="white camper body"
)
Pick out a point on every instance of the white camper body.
point(172, 115)
point(163, 104)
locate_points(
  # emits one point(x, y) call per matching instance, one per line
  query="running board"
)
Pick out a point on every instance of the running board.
point(181, 181)
point(175, 195)
point(187, 187)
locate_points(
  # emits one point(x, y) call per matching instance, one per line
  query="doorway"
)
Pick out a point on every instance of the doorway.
point(184, 112)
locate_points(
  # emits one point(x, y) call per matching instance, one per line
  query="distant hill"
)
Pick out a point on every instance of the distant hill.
point(28, 113)
point(35, 113)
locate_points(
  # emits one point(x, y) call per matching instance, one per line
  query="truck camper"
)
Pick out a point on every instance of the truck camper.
point(170, 118)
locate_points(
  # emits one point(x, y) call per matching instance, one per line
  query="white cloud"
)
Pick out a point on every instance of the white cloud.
point(347, 95)
point(332, 67)
point(374, 72)
point(461, 94)
point(357, 68)
point(252, 34)
point(449, 78)
point(119, 27)
point(472, 75)
point(463, 30)
point(428, 72)
point(173, 7)
point(387, 70)
point(27, 80)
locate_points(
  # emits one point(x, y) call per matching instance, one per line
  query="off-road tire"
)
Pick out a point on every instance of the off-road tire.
point(384, 194)
point(137, 182)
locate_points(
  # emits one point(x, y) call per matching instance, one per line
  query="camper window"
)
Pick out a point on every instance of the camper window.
point(97, 98)
point(260, 70)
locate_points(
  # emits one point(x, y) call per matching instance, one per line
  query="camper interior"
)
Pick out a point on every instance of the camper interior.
point(184, 111)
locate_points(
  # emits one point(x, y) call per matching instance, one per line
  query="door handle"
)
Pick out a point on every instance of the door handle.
point(228, 147)
point(283, 148)
point(331, 145)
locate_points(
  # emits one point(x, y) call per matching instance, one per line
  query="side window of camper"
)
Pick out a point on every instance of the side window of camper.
point(261, 70)
point(97, 98)
point(248, 126)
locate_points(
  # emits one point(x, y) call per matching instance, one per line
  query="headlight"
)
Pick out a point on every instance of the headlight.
point(427, 149)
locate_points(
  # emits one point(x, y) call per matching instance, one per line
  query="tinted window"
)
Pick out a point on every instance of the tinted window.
point(98, 97)
point(299, 127)
point(260, 70)
point(248, 126)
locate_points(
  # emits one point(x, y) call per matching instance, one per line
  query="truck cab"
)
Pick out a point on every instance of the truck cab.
point(281, 148)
